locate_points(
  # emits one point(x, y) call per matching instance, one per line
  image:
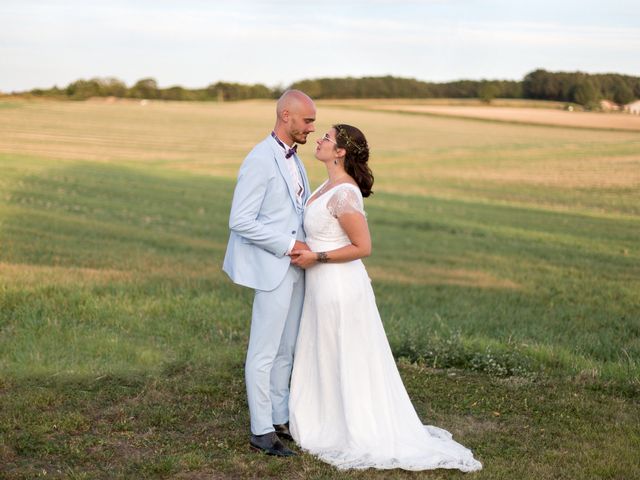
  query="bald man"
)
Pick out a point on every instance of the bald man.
point(266, 225)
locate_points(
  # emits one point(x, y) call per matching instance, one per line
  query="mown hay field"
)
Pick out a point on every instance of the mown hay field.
point(505, 265)
point(526, 112)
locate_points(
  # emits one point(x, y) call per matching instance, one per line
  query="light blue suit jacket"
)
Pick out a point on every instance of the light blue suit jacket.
point(265, 217)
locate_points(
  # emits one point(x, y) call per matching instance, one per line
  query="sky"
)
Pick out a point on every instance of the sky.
point(194, 43)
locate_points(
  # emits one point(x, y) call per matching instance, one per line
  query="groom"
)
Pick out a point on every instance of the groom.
point(266, 225)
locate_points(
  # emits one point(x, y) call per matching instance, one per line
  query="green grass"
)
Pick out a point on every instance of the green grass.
point(511, 299)
point(188, 420)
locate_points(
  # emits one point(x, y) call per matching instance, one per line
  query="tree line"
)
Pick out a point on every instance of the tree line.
point(147, 88)
point(575, 87)
point(581, 88)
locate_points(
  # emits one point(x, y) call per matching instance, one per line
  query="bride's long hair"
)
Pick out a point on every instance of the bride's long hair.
point(357, 157)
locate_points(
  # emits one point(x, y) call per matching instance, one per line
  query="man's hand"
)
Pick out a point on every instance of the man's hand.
point(299, 246)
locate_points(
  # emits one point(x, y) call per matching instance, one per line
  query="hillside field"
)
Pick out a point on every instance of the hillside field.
point(506, 266)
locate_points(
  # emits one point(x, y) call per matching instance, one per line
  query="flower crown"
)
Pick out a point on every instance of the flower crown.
point(348, 141)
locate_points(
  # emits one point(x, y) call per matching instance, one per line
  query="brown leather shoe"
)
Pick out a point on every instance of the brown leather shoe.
point(270, 444)
point(283, 431)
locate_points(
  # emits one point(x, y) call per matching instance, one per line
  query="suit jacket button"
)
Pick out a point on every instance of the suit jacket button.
point(293, 232)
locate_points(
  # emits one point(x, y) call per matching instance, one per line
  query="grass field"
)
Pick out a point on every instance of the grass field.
point(506, 266)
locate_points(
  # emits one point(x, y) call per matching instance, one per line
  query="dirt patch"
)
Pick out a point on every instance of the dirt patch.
point(617, 121)
point(7, 454)
point(465, 426)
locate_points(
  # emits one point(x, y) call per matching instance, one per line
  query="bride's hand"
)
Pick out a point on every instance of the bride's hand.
point(303, 258)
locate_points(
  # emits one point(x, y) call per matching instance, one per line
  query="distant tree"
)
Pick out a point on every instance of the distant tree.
point(586, 93)
point(635, 82)
point(83, 89)
point(145, 88)
point(277, 92)
point(313, 88)
point(622, 93)
point(544, 85)
point(488, 91)
point(366, 87)
point(259, 91)
point(112, 87)
point(462, 89)
point(533, 84)
point(174, 93)
point(54, 92)
point(227, 91)
point(510, 89)
point(214, 93)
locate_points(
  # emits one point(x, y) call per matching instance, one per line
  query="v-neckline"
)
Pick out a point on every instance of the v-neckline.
point(312, 200)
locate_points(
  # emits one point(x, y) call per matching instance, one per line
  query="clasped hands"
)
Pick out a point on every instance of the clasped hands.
point(302, 256)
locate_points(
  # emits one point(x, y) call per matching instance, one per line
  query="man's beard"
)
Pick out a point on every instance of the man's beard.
point(301, 138)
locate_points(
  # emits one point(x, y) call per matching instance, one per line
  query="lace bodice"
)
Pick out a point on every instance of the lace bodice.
point(321, 224)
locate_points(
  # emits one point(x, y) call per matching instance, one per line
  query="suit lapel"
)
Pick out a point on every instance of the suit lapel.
point(303, 174)
point(278, 154)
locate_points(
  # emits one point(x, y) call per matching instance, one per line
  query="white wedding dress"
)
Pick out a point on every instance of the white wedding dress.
point(348, 405)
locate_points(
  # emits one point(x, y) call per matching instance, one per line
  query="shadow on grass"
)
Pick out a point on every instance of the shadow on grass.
point(106, 216)
point(139, 252)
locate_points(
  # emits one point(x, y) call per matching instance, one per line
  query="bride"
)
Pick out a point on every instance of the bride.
point(348, 405)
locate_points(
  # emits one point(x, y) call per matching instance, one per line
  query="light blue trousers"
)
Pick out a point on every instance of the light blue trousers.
point(274, 328)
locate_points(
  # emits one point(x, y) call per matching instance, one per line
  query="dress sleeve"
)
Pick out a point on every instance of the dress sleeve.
point(345, 200)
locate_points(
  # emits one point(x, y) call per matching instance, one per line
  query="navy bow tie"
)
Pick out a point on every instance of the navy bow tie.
point(289, 152)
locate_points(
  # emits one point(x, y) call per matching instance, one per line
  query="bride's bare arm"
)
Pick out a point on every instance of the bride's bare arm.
point(355, 226)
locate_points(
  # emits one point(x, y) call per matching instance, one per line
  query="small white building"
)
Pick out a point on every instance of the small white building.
point(633, 107)
point(608, 106)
